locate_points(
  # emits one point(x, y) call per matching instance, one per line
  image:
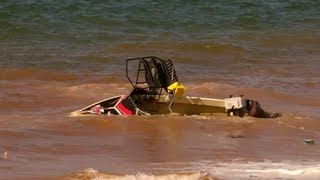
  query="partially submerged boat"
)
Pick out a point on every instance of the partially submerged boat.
point(157, 90)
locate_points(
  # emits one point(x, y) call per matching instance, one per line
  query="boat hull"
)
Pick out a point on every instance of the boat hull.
point(185, 105)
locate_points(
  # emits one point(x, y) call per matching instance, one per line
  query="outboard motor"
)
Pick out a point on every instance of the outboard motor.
point(237, 106)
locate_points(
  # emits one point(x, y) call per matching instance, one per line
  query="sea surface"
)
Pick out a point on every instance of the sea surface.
point(59, 56)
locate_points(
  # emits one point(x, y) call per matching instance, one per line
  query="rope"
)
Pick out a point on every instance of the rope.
point(301, 128)
point(140, 112)
point(171, 102)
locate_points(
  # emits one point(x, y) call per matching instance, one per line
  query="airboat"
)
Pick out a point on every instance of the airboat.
point(156, 90)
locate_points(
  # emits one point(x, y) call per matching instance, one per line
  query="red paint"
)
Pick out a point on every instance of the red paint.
point(124, 110)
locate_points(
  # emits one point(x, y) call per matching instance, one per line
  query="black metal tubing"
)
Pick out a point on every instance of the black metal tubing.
point(156, 85)
point(153, 58)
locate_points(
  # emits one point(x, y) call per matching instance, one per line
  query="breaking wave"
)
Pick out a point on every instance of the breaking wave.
point(92, 174)
point(208, 171)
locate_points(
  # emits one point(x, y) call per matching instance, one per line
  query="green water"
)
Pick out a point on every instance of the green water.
point(266, 43)
point(109, 22)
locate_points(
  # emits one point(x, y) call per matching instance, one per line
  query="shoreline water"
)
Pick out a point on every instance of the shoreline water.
point(57, 57)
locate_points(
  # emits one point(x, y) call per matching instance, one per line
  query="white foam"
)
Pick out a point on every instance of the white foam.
point(263, 170)
point(93, 174)
point(209, 170)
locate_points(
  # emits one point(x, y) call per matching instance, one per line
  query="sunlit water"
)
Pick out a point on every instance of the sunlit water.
point(57, 57)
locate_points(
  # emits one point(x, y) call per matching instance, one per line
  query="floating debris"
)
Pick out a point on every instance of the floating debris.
point(5, 155)
point(309, 141)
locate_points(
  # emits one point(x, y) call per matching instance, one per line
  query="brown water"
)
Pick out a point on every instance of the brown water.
point(42, 142)
point(59, 56)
